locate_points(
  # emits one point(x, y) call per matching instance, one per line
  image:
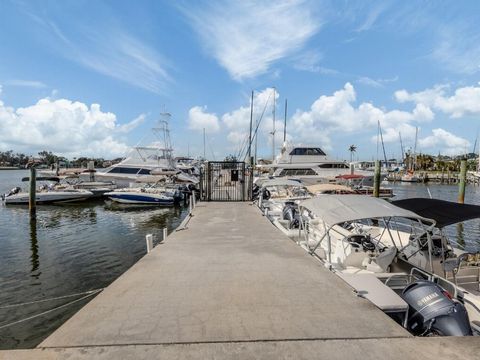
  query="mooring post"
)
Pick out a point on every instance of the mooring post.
point(91, 169)
point(165, 234)
point(149, 239)
point(190, 205)
point(352, 169)
point(376, 179)
point(32, 204)
point(462, 182)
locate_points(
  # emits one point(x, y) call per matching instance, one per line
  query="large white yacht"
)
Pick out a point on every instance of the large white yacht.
point(311, 165)
point(155, 158)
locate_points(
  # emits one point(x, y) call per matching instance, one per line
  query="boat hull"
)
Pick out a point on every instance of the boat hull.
point(139, 198)
point(53, 197)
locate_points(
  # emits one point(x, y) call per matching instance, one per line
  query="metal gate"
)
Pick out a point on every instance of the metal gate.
point(225, 181)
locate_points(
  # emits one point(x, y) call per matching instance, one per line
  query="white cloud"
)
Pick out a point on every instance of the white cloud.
point(199, 119)
point(247, 37)
point(26, 83)
point(377, 83)
point(444, 142)
point(372, 17)
point(464, 101)
point(337, 114)
point(65, 127)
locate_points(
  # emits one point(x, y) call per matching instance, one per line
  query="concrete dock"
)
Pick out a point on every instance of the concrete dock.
point(232, 286)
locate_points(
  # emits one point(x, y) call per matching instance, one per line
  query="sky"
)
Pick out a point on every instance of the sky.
point(91, 78)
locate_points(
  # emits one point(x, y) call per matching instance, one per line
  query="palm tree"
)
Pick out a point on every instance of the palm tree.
point(352, 150)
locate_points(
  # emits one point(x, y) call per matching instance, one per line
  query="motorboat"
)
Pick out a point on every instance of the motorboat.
point(47, 196)
point(311, 165)
point(434, 253)
point(155, 158)
point(410, 176)
point(359, 237)
point(153, 191)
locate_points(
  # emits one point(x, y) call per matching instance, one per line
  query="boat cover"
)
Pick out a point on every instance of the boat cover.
point(335, 209)
point(329, 187)
point(443, 212)
point(281, 182)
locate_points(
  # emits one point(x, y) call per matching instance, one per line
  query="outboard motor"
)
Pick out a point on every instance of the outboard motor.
point(255, 191)
point(432, 311)
point(14, 191)
point(291, 214)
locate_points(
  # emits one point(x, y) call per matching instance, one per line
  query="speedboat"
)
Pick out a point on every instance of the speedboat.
point(47, 196)
point(155, 192)
point(359, 237)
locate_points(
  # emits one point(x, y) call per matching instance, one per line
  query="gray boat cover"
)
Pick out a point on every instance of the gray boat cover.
point(443, 212)
point(336, 209)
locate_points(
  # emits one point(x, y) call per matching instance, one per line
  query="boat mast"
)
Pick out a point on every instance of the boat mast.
point(401, 145)
point(285, 123)
point(273, 131)
point(204, 158)
point(415, 149)
point(250, 133)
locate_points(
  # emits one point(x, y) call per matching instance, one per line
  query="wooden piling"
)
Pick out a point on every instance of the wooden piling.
point(462, 181)
point(32, 204)
point(376, 180)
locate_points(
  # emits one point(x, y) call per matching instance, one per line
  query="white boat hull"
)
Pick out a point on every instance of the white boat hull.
point(49, 197)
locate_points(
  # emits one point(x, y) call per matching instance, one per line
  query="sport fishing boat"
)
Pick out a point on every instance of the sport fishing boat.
point(153, 159)
point(358, 238)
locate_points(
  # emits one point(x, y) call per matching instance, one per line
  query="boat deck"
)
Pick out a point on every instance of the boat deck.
point(232, 286)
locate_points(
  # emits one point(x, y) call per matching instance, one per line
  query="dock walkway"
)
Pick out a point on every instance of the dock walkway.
point(232, 286)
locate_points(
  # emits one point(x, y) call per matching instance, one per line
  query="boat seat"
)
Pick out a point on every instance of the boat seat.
point(372, 289)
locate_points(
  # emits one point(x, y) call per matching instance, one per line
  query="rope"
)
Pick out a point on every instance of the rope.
point(54, 298)
point(51, 310)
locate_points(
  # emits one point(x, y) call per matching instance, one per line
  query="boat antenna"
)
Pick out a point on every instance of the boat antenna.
point(285, 123)
point(204, 158)
point(415, 149)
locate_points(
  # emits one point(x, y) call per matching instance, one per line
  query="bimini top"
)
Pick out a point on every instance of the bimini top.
point(443, 212)
point(335, 209)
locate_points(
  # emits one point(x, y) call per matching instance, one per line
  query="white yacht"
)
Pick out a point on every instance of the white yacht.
point(311, 165)
point(155, 158)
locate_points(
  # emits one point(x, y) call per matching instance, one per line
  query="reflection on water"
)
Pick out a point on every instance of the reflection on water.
point(34, 247)
point(67, 249)
point(460, 237)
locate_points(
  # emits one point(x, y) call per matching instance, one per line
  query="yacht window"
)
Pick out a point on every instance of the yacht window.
point(296, 172)
point(124, 170)
point(307, 151)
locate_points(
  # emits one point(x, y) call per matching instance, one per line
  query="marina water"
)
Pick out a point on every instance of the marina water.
point(69, 249)
point(75, 248)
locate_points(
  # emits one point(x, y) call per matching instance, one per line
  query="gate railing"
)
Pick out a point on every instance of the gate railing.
point(226, 181)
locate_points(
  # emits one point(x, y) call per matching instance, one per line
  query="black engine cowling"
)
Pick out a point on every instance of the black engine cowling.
point(433, 312)
point(291, 214)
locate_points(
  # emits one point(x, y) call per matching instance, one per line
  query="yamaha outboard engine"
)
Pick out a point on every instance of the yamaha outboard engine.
point(291, 214)
point(432, 311)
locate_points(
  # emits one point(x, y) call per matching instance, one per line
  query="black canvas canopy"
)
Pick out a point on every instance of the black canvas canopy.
point(443, 212)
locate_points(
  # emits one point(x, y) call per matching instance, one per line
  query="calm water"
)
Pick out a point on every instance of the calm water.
point(69, 249)
point(75, 248)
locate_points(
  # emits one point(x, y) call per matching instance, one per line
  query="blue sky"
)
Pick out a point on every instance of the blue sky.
point(91, 77)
